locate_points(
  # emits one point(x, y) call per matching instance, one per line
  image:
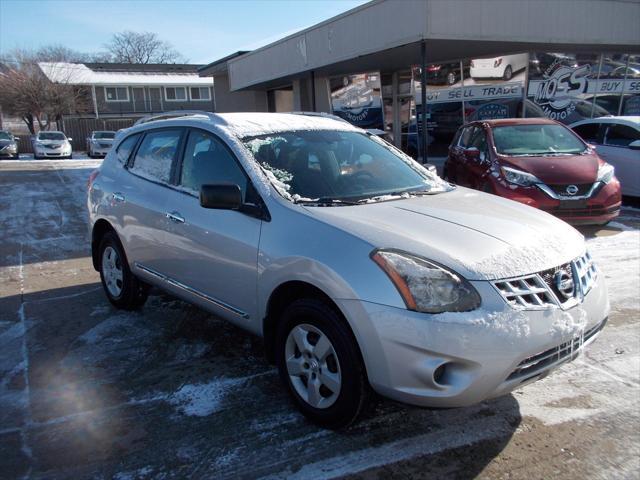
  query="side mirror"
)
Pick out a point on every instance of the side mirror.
point(472, 153)
point(16, 138)
point(221, 196)
point(635, 145)
point(69, 138)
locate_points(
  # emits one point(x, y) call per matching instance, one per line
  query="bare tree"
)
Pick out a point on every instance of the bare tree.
point(145, 47)
point(26, 92)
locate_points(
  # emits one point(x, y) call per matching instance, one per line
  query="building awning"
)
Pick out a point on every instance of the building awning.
point(385, 35)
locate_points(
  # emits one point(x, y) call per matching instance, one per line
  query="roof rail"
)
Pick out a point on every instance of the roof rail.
point(320, 114)
point(175, 114)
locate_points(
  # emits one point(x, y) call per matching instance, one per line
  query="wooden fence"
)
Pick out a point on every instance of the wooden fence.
point(78, 129)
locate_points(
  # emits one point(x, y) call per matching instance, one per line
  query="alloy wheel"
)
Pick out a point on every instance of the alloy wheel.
point(112, 271)
point(313, 366)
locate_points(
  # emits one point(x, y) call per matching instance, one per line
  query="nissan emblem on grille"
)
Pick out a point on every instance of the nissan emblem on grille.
point(564, 283)
point(572, 189)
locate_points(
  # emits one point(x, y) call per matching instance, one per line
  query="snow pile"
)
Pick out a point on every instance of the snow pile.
point(570, 324)
point(203, 399)
point(617, 258)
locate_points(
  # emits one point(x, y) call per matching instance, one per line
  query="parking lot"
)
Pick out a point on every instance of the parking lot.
point(87, 391)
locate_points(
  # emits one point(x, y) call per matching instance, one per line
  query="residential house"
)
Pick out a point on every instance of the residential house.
point(120, 90)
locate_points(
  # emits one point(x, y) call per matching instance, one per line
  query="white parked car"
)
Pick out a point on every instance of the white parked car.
point(99, 143)
point(51, 144)
point(617, 141)
point(355, 264)
point(498, 67)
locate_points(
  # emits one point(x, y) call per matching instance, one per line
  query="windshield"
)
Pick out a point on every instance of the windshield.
point(337, 165)
point(5, 136)
point(536, 139)
point(104, 135)
point(51, 136)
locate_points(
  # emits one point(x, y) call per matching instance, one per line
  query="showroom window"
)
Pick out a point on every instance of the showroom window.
point(116, 94)
point(200, 93)
point(175, 94)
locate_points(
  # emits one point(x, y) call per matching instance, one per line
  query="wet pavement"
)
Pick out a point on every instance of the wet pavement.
point(170, 391)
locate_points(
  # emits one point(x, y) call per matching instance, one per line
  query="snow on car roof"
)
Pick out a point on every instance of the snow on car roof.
point(247, 124)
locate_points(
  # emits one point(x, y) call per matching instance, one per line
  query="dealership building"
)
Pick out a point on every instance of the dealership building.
point(378, 64)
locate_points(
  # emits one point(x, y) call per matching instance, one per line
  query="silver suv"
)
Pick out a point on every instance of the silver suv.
point(359, 267)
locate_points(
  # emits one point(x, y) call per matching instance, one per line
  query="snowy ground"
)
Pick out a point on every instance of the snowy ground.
point(171, 392)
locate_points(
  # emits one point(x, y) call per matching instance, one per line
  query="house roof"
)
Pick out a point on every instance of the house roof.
point(122, 74)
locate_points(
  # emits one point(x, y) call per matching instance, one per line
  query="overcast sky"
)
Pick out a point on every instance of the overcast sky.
point(202, 30)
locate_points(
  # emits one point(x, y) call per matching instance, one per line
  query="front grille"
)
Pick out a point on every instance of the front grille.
point(52, 146)
point(105, 145)
point(540, 290)
point(586, 272)
point(561, 190)
point(549, 278)
point(589, 211)
point(535, 364)
point(527, 292)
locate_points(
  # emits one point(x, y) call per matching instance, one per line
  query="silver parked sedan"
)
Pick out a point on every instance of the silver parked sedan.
point(357, 265)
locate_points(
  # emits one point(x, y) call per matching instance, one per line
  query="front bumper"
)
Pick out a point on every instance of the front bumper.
point(54, 153)
point(458, 359)
point(600, 208)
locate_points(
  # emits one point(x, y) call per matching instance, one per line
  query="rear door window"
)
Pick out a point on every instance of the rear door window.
point(126, 147)
point(156, 154)
point(620, 135)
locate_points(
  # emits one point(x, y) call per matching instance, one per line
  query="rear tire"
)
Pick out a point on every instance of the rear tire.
point(339, 390)
point(122, 288)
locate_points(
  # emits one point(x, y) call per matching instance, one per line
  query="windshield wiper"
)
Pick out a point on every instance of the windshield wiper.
point(325, 201)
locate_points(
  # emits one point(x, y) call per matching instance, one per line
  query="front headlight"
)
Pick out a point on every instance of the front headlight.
point(39, 144)
point(426, 286)
point(605, 173)
point(518, 177)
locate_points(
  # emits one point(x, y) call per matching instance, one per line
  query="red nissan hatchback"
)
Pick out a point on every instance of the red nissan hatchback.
point(538, 162)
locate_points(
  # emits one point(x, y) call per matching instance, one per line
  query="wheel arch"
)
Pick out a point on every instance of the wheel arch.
point(282, 296)
point(98, 231)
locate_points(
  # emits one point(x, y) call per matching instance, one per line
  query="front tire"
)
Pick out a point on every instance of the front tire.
point(508, 73)
point(122, 288)
point(320, 364)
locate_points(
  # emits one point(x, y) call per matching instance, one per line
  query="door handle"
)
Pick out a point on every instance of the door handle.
point(175, 217)
point(118, 197)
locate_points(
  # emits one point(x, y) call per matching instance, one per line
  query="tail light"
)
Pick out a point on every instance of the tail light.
point(497, 63)
point(433, 68)
point(92, 178)
point(473, 65)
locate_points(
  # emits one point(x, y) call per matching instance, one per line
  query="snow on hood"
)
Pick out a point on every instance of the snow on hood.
point(481, 236)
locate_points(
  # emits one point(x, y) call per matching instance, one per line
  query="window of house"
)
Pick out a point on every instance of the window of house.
point(175, 94)
point(155, 156)
point(621, 135)
point(116, 94)
point(208, 161)
point(200, 93)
